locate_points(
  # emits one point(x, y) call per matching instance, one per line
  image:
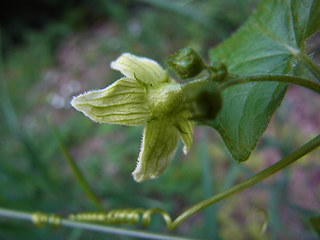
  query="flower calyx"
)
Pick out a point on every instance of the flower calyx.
point(164, 99)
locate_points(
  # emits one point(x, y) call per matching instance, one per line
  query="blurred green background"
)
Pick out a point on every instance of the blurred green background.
point(52, 50)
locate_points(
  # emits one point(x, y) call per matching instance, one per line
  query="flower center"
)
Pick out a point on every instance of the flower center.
point(164, 99)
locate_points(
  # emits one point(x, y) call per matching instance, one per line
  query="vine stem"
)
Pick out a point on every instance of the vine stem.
point(311, 65)
point(93, 227)
point(294, 156)
point(314, 86)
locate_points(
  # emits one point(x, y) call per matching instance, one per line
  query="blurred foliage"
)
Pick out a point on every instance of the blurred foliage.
point(56, 49)
point(19, 17)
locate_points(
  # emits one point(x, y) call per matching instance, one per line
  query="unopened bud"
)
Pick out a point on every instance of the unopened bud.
point(187, 63)
point(203, 99)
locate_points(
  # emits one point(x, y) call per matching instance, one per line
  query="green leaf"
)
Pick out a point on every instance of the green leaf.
point(270, 42)
point(315, 223)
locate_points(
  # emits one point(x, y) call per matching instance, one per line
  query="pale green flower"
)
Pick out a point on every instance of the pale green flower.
point(146, 95)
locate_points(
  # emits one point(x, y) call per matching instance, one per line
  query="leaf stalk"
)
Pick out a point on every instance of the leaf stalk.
point(311, 65)
point(314, 86)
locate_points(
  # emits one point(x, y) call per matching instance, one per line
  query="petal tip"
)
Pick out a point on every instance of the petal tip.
point(137, 177)
point(147, 70)
point(185, 150)
point(74, 101)
point(115, 64)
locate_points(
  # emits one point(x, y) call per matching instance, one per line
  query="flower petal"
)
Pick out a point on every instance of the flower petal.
point(123, 102)
point(144, 69)
point(185, 127)
point(160, 140)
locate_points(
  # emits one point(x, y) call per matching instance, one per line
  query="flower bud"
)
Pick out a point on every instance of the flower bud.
point(203, 99)
point(186, 63)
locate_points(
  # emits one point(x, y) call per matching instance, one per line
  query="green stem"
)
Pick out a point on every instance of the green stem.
point(76, 170)
point(273, 78)
point(286, 161)
point(311, 65)
point(89, 226)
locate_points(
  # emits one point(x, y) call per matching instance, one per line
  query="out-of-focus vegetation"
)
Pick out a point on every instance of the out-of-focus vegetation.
point(52, 50)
